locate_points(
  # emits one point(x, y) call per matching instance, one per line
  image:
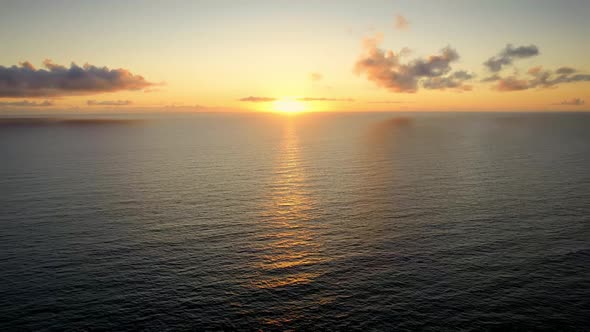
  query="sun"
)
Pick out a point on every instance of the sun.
point(287, 105)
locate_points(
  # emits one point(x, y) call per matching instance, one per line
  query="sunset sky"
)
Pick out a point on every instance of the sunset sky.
point(294, 55)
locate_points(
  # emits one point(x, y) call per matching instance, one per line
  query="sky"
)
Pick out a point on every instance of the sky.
point(124, 56)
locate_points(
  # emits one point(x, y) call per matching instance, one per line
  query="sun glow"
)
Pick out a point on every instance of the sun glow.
point(288, 105)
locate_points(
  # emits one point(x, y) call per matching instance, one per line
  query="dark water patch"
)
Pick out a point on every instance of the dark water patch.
point(41, 122)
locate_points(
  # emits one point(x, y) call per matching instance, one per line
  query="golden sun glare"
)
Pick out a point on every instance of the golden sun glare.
point(288, 105)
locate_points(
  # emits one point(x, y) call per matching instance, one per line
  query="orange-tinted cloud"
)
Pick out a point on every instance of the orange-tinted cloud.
point(253, 99)
point(315, 76)
point(534, 70)
point(57, 80)
point(385, 69)
point(511, 84)
point(541, 79)
point(109, 103)
point(401, 23)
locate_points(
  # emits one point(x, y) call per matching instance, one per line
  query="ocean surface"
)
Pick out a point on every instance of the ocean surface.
point(376, 221)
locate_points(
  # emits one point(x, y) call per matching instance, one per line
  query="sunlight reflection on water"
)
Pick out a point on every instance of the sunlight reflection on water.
point(290, 246)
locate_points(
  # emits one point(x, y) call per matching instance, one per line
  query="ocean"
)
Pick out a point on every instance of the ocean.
point(319, 221)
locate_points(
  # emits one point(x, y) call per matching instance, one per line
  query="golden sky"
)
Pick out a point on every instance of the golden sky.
point(294, 56)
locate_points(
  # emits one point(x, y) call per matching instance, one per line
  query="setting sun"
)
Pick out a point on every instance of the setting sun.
point(288, 106)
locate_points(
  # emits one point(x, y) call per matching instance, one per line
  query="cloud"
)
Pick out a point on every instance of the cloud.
point(26, 103)
point(565, 70)
point(509, 54)
point(315, 77)
point(538, 78)
point(573, 102)
point(385, 69)
point(405, 51)
point(57, 80)
point(401, 23)
point(541, 79)
point(453, 81)
point(511, 84)
point(491, 78)
point(108, 103)
point(546, 78)
point(534, 70)
point(258, 99)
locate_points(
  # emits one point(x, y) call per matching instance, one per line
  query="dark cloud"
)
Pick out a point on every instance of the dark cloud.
point(508, 54)
point(565, 70)
point(573, 102)
point(257, 99)
point(405, 51)
point(546, 78)
point(315, 77)
point(491, 78)
point(26, 103)
point(462, 75)
point(57, 80)
point(109, 102)
point(401, 23)
point(385, 69)
point(453, 81)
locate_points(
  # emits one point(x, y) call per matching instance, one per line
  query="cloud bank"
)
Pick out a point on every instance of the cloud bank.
point(57, 80)
point(253, 99)
point(573, 102)
point(26, 103)
point(385, 69)
point(540, 78)
point(108, 103)
point(508, 55)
